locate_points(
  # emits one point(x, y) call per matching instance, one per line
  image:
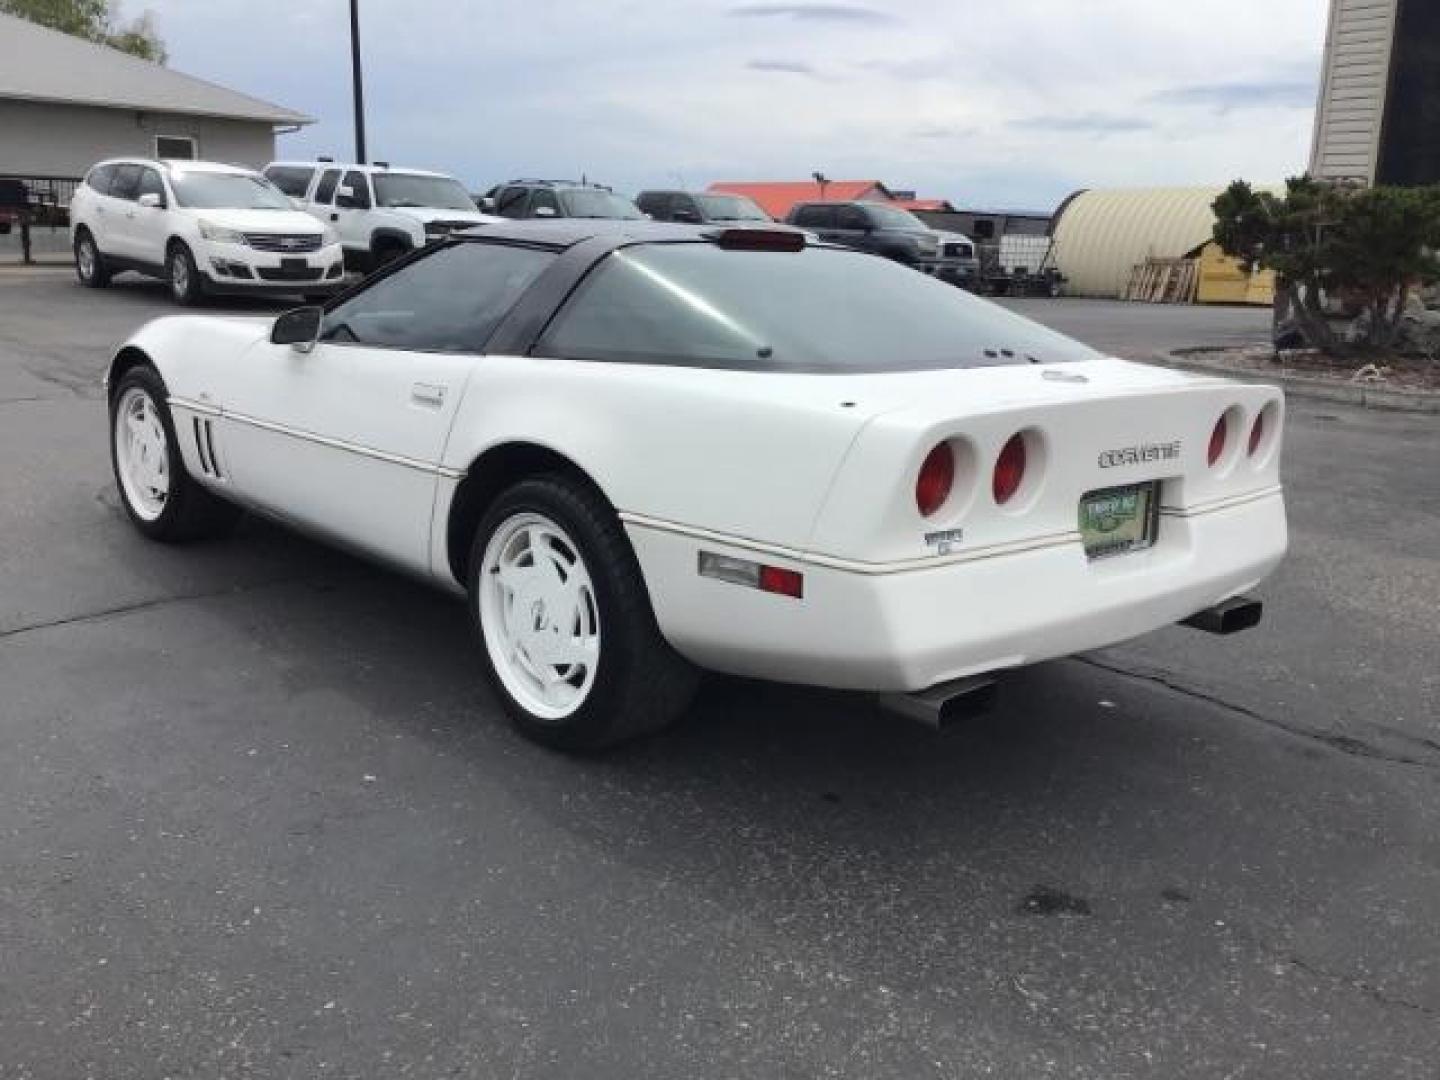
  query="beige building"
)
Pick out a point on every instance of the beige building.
point(66, 103)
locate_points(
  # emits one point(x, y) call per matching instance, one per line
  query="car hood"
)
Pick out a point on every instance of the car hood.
point(272, 221)
point(426, 214)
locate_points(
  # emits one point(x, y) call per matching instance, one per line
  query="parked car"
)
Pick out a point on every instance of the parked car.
point(557, 199)
point(700, 207)
point(201, 226)
point(380, 212)
point(612, 438)
point(889, 231)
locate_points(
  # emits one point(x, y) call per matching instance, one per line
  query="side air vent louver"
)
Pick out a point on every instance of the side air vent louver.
point(205, 447)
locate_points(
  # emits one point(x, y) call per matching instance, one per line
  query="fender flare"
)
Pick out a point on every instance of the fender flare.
point(390, 234)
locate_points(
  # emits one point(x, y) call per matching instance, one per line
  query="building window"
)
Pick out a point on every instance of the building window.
point(178, 147)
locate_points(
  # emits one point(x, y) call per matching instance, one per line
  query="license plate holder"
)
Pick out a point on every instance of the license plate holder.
point(1119, 520)
point(294, 265)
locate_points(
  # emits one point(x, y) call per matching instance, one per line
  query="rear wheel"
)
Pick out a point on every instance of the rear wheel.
point(158, 494)
point(186, 286)
point(568, 634)
point(90, 265)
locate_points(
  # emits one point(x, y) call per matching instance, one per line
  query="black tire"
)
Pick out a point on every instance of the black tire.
point(90, 265)
point(190, 511)
point(385, 252)
point(641, 684)
point(187, 287)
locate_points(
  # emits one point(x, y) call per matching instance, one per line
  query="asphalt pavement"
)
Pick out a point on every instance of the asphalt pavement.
point(260, 817)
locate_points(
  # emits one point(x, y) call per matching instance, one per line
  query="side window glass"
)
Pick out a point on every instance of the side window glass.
point(359, 197)
point(151, 184)
point(511, 202)
point(325, 190)
point(817, 217)
point(544, 199)
point(853, 218)
point(292, 181)
point(100, 178)
point(125, 181)
point(449, 301)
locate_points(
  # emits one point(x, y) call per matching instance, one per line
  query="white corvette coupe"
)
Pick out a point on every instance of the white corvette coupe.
point(640, 449)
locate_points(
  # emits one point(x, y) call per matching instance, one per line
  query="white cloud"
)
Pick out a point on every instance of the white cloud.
point(989, 103)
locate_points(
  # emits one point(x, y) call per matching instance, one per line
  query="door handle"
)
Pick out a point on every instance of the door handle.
point(427, 395)
point(334, 217)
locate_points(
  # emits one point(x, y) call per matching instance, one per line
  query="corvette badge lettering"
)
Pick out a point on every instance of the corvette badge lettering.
point(1139, 455)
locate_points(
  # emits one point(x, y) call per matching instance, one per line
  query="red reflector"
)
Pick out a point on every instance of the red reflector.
point(774, 579)
point(1257, 432)
point(760, 239)
point(1009, 470)
point(1217, 441)
point(937, 475)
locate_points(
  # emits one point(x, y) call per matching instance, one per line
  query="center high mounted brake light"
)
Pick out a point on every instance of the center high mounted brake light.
point(759, 239)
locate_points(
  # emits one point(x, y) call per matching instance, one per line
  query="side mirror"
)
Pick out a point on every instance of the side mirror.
point(487, 205)
point(345, 191)
point(299, 328)
point(151, 201)
point(545, 211)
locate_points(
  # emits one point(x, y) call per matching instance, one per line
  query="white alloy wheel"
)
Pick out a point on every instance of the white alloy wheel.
point(539, 616)
point(142, 455)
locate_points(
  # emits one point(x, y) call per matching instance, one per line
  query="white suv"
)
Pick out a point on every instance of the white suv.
point(200, 226)
point(380, 212)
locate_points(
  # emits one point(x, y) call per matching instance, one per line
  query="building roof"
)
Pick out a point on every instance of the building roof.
point(925, 204)
point(39, 64)
point(776, 198)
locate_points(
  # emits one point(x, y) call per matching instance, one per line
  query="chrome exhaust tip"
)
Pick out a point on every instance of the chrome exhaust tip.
point(1227, 617)
point(945, 704)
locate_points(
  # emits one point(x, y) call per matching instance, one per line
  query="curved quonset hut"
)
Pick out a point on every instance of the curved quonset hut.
point(1101, 234)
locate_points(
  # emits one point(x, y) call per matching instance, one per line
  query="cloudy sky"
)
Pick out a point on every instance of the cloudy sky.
point(986, 102)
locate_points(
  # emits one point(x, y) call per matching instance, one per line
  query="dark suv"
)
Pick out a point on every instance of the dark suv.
point(699, 207)
point(889, 231)
point(557, 199)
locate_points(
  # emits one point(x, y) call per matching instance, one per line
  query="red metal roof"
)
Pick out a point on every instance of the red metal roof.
point(776, 199)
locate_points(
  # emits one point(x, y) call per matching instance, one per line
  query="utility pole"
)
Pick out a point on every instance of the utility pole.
point(359, 82)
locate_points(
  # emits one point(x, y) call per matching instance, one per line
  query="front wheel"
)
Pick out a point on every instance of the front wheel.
point(186, 286)
point(568, 634)
point(158, 494)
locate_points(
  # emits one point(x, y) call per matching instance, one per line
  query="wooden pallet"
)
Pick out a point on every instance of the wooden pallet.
point(1163, 281)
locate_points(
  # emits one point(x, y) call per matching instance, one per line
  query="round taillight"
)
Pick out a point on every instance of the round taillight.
point(1217, 441)
point(937, 475)
point(1009, 470)
point(1257, 433)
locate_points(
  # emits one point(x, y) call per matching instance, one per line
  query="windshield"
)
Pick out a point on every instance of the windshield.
point(730, 208)
point(817, 310)
point(593, 203)
point(888, 217)
point(226, 191)
point(431, 192)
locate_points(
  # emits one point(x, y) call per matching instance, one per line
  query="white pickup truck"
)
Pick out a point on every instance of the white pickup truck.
point(379, 212)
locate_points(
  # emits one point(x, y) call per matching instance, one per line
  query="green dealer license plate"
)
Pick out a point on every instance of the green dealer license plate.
point(1119, 520)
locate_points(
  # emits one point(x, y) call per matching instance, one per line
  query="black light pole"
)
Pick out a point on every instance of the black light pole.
point(359, 82)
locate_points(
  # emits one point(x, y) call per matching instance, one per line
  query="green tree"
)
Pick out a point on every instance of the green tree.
point(93, 20)
point(1328, 241)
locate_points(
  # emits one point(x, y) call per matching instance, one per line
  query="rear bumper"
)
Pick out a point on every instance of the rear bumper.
point(908, 630)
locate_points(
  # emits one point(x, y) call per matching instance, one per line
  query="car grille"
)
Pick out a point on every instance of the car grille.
point(959, 251)
point(286, 243)
point(281, 274)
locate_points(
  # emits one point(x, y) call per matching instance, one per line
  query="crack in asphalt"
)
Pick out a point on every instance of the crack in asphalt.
point(1370, 990)
point(1344, 744)
point(121, 610)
